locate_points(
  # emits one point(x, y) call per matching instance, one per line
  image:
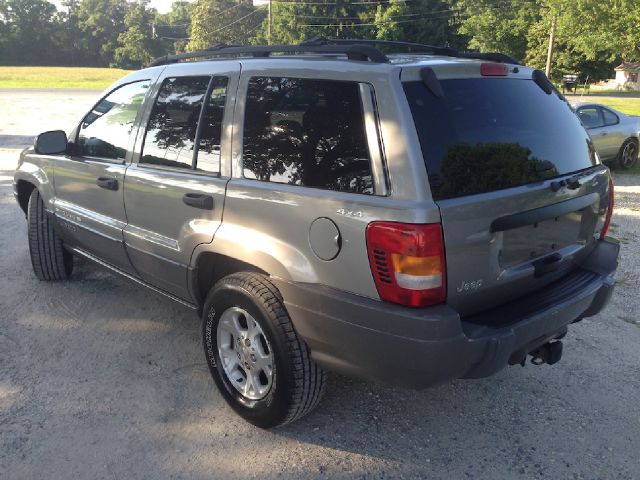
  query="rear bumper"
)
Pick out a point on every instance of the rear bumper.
point(422, 347)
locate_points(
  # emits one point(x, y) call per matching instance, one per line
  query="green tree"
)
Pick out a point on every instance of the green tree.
point(567, 59)
point(70, 35)
point(174, 28)
point(602, 29)
point(431, 22)
point(591, 35)
point(297, 22)
point(223, 21)
point(499, 27)
point(28, 27)
point(137, 45)
point(101, 22)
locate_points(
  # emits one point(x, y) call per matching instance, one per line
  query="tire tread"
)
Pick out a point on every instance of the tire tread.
point(308, 378)
point(49, 259)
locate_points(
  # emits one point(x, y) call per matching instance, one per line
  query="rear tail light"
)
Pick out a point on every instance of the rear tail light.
point(493, 69)
point(407, 262)
point(607, 218)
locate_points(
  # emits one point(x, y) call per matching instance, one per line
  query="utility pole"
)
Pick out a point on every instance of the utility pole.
point(552, 39)
point(269, 25)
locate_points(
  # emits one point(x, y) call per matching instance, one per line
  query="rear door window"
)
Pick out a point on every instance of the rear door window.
point(591, 117)
point(610, 118)
point(306, 132)
point(490, 134)
point(177, 123)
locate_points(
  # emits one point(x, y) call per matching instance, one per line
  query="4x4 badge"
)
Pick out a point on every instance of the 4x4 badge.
point(350, 213)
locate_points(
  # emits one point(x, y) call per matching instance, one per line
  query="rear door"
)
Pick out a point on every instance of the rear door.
point(616, 135)
point(520, 192)
point(89, 182)
point(174, 193)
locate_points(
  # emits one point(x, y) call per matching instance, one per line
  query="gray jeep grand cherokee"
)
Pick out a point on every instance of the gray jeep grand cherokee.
point(409, 218)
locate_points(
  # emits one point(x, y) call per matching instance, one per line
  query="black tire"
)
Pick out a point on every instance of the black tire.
point(628, 154)
point(297, 384)
point(49, 259)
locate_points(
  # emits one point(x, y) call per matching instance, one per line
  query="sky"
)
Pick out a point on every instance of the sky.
point(163, 6)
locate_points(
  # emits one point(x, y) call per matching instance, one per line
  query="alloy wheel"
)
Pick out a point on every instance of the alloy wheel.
point(245, 353)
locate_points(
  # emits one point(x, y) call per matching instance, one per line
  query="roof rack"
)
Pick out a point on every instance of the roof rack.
point(417, 47)
point(355, 49)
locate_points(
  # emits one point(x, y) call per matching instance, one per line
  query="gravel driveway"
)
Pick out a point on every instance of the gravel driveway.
point(100, 379)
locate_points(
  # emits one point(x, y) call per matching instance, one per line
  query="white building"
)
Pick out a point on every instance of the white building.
point(628, 75)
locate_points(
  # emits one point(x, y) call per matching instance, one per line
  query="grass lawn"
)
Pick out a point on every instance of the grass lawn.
point(630, 106)
point(59, 77)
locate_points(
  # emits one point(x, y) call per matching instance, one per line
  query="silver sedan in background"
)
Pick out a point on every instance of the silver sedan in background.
point(615, 135)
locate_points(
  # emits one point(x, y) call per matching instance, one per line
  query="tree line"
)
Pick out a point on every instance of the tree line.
point(592, 36)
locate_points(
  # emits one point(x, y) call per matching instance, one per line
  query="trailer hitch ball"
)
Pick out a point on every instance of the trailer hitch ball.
point(548, 353)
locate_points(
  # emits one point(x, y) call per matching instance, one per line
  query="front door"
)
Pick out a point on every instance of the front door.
point(89, 182)
point(174, 193)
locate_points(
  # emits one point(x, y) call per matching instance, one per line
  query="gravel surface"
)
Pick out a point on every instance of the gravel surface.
point(101, 379)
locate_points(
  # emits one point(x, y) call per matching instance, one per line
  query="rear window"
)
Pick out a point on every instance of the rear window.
point(489, 134)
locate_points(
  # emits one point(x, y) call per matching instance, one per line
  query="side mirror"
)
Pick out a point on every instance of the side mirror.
point(51, 143)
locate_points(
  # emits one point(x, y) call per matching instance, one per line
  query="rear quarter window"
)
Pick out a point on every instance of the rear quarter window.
point(490, 134)
point(308, 133)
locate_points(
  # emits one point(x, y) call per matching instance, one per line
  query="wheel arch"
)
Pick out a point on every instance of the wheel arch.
point(24, 189)
point(209, 267)
point(33, 174)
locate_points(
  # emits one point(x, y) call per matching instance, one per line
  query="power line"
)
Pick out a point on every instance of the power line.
point(189, 24)
point(373, 14)
point(367, 24)
point(236, 21)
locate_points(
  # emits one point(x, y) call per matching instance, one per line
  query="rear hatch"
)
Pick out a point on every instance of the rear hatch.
point(521, 192)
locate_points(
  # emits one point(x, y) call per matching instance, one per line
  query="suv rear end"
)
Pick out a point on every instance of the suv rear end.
point(520, 250)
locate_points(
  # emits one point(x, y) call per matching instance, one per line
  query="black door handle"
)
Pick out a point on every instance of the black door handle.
point(107, 182)
point(198, 200)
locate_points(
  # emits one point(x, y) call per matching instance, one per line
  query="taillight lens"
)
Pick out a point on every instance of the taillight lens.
point(493, 69)
point(607, 218)
point(407, 262)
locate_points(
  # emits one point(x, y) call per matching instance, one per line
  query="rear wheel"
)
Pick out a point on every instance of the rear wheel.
point(49, 259)
point(628, 154)
point(260, 365)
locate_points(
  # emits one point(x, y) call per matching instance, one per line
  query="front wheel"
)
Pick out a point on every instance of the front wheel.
point(628, 154)
point(261, 366)
point(49, 259)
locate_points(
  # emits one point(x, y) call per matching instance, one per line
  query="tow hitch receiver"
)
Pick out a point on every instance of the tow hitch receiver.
point(548, 353)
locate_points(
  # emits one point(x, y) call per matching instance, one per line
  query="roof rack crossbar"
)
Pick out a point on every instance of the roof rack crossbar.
point(353, 52)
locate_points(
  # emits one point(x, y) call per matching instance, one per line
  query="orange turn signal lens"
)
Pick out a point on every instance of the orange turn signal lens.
point(409, 265)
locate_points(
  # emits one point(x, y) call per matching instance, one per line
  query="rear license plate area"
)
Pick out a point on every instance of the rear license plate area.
point(527, 243)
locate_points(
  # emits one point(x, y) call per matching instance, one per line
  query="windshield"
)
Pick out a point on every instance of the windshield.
point(489, 134)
